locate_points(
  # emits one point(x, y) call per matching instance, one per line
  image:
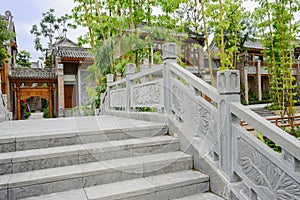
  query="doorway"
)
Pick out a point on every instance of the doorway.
point(68, 90)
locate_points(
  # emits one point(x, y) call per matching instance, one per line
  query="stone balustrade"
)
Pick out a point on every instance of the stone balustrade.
point(207, 123)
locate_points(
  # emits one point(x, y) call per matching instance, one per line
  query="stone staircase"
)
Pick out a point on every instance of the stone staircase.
point(89, 158)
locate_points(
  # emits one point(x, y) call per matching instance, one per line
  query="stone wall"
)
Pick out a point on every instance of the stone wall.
point(4, 114)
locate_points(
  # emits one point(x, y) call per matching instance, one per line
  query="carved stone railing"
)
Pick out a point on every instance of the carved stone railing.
point(4, 113)
point(265, 174)
point(207, 122)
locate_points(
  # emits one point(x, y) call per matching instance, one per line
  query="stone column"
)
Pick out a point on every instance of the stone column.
point(169, 54)
point(246, 84)
point(109, 81)
point(60, 89)
point(228, 86)
point(118, 76)
point(130, 70)
point(258, 72)
point(143, 68)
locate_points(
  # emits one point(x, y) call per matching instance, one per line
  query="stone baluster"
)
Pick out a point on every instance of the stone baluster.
point(291, 161)
point(169, 54)
point(144, 79)
point(130, 70)
point(118, 76)
point(109, 81)
point(228, 86)
point(259, 80)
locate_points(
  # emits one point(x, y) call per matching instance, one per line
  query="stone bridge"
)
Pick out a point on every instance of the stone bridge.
point(207, 122)
point(163, 134)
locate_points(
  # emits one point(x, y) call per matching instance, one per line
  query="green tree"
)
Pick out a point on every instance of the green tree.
point(49, 29)
point(5, 37)
point(204, 19)
point(229, 22)
point(23, 59)
point(277, 32)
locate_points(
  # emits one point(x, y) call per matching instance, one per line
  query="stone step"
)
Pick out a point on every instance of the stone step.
point(36, 134)
point(264, 112)
point(29, 160)
point(39, 182)
point(158, 187)
point(201, 196)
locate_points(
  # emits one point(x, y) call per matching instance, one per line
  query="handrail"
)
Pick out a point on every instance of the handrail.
point(148, 72)
point(122, 81)
point(274, 133)
point(198, 83)
point(292, 121)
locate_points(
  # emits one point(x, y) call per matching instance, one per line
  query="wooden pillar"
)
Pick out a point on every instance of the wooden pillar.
point(246, 85)
point(50, 102)
point(18, 103)
point(259, 80)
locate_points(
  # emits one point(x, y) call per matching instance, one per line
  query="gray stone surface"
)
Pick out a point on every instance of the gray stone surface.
point(4, 113)
point(35, 159)
point(44, 188)
point(56, 179)
point(6, 168)
point(136, 187)
point(68, 131)
point(78, 194)
point(201, 196)
point(164, 186)
point(3, 194)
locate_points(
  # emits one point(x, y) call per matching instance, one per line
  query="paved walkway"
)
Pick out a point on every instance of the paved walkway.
point(36, 115)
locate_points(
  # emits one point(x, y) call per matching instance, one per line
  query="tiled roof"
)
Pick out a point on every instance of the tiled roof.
point(253, 44)
point(74, 52)
point(40, 73)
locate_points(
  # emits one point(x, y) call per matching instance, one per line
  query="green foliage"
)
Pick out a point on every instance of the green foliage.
point(5, 37)
point(268, 142)
point(227, 20)
point(294, 131)
point(50, 27)
point(277, 31)
point(48, 62)
point(46, 113)
point(273, 107)
point(84, 110)
point(23, 59)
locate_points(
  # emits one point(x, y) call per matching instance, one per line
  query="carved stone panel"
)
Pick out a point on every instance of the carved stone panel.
point(84, 83)
point(118, 98)
point(200, 118)
point(147, 95)
point(269, 178)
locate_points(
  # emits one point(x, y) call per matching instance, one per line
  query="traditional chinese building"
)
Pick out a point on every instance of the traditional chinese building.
point(32, 82)
point(70, 62)
point(11, 49)
point(254, 72)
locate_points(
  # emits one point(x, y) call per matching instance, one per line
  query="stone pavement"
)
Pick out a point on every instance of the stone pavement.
point(36, 115)
point(89, 158)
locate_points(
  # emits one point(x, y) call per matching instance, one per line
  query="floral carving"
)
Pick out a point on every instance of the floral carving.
point(146, 95)
point(191, 111)
point(265, 174)
point(118, 98)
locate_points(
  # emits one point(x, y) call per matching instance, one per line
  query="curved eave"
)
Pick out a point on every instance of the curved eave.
point(36, 79)
point(75, 60)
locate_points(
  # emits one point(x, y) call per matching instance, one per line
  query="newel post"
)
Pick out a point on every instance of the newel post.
point(109, 81)
point(169, 54)
point(228, 86)
point(130, 70)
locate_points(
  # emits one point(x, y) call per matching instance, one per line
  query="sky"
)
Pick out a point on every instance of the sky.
point(29, 12)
